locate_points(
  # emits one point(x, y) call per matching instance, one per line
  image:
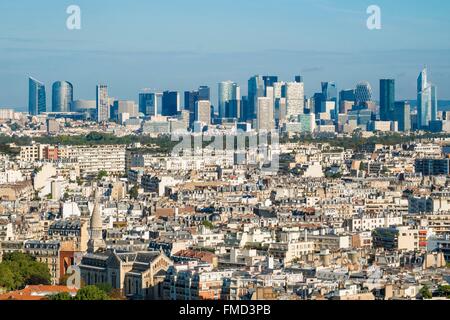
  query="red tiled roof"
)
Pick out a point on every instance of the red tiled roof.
point(38, 292)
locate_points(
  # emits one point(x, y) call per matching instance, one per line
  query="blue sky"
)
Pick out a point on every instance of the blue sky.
point(180, 44)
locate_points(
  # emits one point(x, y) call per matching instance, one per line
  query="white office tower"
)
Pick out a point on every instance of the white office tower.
point(102, 104)
point(278, 88)
point(203, 112)
point(329, 108)
point(265, 120)
point(295, 99)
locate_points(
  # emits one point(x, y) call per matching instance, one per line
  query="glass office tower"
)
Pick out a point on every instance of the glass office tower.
point(402, 115)
point(229, 99)
point(387, 99)
point(255, 90)
point(424, 101)
point(148, 104)
point(62, 96)
point(329, 91)
point(37, 100)
point(434, 103)
point(363, 93)
point(170, 103)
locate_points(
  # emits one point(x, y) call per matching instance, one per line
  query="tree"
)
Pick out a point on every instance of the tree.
point(18, 270)
point(91, 293)
point(426, 293)
point(134, 192)
point(64, 296)
point(444, 291)
point(7, 280)
point(105, 287)
point(102, 174)
point(208, 224)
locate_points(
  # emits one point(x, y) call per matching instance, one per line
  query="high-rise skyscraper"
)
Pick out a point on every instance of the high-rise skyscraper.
point(318, 98)
point(363, 93)
point(148, 104)
point(170, 103)
point(37, 100)
point(265, 120)
point(402, 115)
point(203, 112)
point(387, 99)
point(269, 81)
point(190, 98)
point(347, 95)
point(255, 91)
point(124, 106)
point(329, 94)
point(434, 103)
point(424, 100)
point(62, 96)
point(102, 103)
point(295, 99)
point(298, 79)
point(204, 93)
point(229, 100)
point(329, 91)
point(346, 100)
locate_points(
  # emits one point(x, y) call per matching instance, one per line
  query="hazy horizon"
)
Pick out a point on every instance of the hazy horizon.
point(180, 45)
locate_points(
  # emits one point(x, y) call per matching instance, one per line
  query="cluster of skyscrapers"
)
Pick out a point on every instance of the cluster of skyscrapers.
point(269, 104)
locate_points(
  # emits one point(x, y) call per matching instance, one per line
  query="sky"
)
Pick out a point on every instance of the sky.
point(182, 44)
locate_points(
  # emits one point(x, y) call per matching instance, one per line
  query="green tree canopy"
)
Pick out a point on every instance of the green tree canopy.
point(102, 174)
point(64, 296)
point(91, 293)
point(426, 293)
point(18, 270)
point(134, 192)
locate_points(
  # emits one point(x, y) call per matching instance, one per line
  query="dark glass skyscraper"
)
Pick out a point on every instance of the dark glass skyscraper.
point(402, 115)
point(387, 99)
point(37, 100)
point(318, 98)
point(363, 93)
point(62, 96)
point(329, 91)
point(170, 103)
point(347, 95)
point(298, 79)
point(269, 81)
point(148, 104)
point(190, 98)
point(255, 91)
point(204, 93)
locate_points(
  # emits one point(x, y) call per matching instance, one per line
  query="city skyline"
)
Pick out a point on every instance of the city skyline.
point(163, 56)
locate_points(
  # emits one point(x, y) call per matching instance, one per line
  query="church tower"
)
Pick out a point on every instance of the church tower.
point(96, 241)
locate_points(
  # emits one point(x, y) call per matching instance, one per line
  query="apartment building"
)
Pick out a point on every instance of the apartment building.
point(372, 222)
point(396, 238)
point(92, 159)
